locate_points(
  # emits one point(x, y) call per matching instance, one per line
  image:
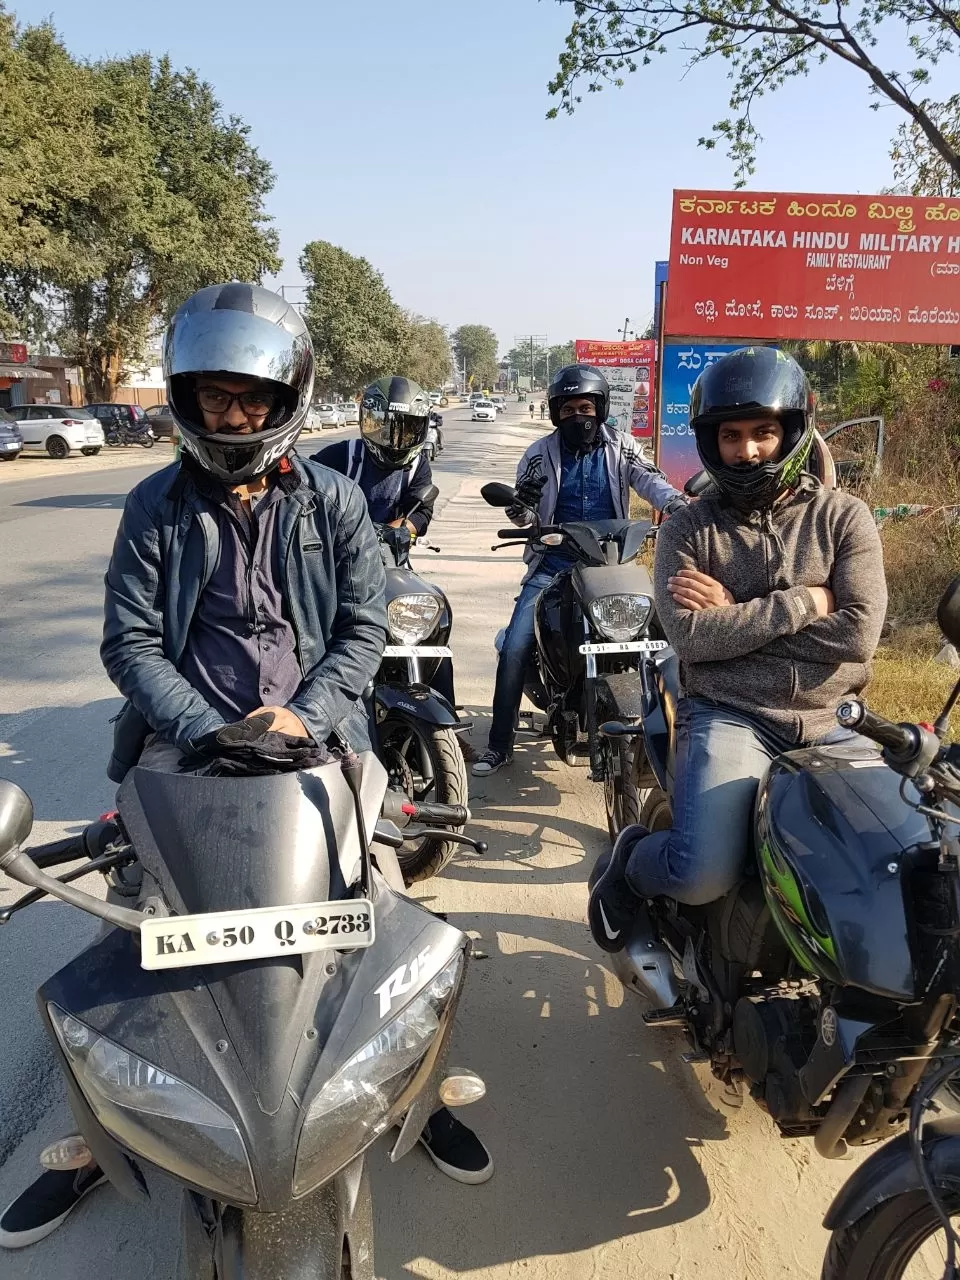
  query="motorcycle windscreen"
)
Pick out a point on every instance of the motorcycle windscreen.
point(227, 844)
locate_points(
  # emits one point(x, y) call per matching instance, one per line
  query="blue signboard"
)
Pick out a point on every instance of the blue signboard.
point(660, 271)
point(682, 363)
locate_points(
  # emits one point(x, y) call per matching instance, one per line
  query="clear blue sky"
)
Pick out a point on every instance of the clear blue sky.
point(413, 133)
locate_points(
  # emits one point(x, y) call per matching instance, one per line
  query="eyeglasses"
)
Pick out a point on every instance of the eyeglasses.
point(254, 403)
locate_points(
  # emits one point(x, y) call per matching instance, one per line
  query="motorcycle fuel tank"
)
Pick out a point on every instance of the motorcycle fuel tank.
point(558, 624)
point(831, 832)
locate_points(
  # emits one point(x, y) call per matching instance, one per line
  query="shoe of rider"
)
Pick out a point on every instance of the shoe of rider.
point(455, 1149)
point(771, 591)
point(613, 905)
point(583, 470)
point(37, 1212)
point(491, 761)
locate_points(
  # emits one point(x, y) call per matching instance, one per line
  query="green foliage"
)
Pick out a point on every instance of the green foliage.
point(765, 43)
point(124, 190)
point(426, 352)
point(359, 333)
point(546, 360)
point(918, 166)
point(477, 345)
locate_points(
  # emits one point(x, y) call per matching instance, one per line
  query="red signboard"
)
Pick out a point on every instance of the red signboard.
point(631, 373)
point(779, 264)
point(13, 353)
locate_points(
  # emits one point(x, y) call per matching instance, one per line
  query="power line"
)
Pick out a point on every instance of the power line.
point(534, 340)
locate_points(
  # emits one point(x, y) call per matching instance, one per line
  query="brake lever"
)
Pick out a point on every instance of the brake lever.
point(106, 863)
point(478, 846)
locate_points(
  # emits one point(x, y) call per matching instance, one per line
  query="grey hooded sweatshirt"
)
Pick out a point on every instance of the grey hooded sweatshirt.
point(769, 654)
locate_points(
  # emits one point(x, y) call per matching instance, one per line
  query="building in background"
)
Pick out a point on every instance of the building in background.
point(19, 377)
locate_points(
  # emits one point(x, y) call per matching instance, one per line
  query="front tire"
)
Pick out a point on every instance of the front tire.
point(426, 763)
point(90, 453)
point(882, 1243)
point(656, 814)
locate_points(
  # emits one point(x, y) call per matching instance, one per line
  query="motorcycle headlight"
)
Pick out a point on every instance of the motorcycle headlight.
point(412, 618)
point(154, 1114)
point(355, 1105)
point(620, 617)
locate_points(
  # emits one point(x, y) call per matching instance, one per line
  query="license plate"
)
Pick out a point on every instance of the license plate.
point(221, 937)
point(417, 651)
point(625, 646)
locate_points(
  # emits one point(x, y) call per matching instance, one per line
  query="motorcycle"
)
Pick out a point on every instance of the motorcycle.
point(594, 624)
point(417, 723)
point(265, 1008)
point(433, 445)
point(116, 434)
point(827, 980)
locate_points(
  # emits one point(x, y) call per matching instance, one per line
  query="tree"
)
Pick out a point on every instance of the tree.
point(766, 43)
point(358, 330)
point(546, 360)
point(917, 165)
point(426, 352)
point(476, 344)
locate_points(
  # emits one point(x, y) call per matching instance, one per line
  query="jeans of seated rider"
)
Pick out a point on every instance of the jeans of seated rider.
point(515, 655)
point(722, 756)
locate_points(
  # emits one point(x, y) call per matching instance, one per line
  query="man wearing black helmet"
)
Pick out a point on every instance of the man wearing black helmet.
point(583, 470)
point(772, 593)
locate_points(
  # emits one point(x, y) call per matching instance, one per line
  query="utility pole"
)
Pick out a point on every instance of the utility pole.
point(625, 323)
point(533, 340)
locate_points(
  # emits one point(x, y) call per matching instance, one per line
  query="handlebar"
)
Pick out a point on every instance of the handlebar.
point(908, 748)
point(90, 843)
point(401, 810)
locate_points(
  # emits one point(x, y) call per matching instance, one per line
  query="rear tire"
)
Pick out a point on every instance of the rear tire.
point(427, 765)
point(90, 453)
point(881, 1243)
point(58, 448)
point(656, 814)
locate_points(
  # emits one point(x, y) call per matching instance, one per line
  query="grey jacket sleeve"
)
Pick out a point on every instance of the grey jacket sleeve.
point(649, 483)
point(132, 646)
point(729, 631)
point(852, 632)
point(330, 690)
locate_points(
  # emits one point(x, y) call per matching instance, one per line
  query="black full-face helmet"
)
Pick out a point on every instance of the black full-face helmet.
point(394, 417)
point(572, 382)
point(754, 382)
point(239, 331)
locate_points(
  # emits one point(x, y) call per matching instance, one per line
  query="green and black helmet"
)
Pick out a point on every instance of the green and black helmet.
point(748, 383)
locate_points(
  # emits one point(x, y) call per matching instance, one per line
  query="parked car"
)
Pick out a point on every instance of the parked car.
point(11, 441)
point(434, 397)
point(498, 403)
point(162, 421)
point(328, 415)
point(59, 429)
point(124, 415)
point(484, 411)
point(351, 413)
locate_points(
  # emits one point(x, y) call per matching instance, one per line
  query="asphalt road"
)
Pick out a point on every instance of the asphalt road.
point(613, 1160)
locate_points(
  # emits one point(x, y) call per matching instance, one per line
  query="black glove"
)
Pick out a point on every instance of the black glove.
point(250, 748)
point(529, 490)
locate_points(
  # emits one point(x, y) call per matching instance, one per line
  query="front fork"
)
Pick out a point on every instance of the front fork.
point(590, 707)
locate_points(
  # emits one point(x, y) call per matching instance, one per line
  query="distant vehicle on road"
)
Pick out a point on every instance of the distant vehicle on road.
point(329, 415)
point(351, 413)
point(435, 397)
point(161, 419)
point(59, 429)
point(11, 441)
point(498, 403)
point(475, 396)
point(484, 411)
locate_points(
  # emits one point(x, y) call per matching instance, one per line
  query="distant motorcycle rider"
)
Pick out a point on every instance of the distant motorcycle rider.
point(772, 593)
point(583, 470)
point(388, 461)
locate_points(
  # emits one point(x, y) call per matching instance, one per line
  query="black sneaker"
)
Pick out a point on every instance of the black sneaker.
point(613, 905)
point(38, 1211)
point(455, 1149)
point(490, 762)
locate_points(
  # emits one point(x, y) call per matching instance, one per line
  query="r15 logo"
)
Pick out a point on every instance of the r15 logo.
point(398, 984)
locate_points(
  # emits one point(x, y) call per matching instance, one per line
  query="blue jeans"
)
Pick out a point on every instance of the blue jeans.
point(722, 757)
point(515, 655)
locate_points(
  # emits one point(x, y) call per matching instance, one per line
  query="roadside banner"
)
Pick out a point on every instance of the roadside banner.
point(630, 368)
point(774, 264)
point(682, 365)
point(661, 272)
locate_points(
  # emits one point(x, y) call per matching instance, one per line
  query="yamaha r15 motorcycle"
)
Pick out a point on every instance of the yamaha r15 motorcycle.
point(266, 1006)
point(827, 980)
point(594, 622)
point(417, 723)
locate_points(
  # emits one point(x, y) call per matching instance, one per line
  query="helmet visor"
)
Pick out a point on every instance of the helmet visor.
point(737, 387)
point(394, 432)
point(234, 342)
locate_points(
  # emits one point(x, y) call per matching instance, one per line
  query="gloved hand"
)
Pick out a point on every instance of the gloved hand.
point(524, 510)
point(250, 748)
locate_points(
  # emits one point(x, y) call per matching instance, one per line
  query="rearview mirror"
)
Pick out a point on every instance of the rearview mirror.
point(948, 612)
point(16, 816)
point(698, 485)
point(498, 495)
point(430, 494)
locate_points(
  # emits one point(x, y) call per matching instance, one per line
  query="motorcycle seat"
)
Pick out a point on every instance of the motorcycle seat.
point(593, 581)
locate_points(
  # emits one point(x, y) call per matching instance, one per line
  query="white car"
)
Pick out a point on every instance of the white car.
point(351, 413)
point(59, 429)
point(484, 411)
point(329, 415)
point(499, 403)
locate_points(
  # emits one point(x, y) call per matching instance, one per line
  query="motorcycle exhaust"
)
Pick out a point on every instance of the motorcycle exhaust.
point(828, 1139)
point(646, 966)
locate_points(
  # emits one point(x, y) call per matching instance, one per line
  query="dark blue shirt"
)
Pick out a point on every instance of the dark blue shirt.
point(241, 648)
point(584, 494)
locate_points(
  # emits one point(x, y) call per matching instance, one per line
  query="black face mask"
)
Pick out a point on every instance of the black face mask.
point(581, 433)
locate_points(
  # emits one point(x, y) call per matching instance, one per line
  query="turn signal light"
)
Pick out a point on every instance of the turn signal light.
point(460, 1088)
point(68, 1153)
